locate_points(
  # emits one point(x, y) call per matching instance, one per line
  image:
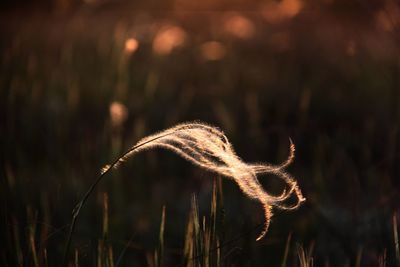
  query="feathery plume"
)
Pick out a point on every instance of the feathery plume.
point(209, 148)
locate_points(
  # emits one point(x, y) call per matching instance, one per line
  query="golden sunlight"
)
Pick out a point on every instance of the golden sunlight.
point(212, 50)
point(118, 113)
point(284, 10)
point(167, 39)
point(239, 26)
point(131, 45)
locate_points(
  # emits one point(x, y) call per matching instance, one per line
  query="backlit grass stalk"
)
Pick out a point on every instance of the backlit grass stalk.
point(32, 218)
point(209, 148)
point(285, 255)
point(188, 246)
point(305, 258)
point(396, 240)
point(212, 229)
point(159, 253)
point(33, 247)
point(76, 258)
point(197, 235)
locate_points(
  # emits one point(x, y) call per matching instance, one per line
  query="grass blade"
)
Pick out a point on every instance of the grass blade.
point(159, 254)
point(396, 239)
point(285, 255)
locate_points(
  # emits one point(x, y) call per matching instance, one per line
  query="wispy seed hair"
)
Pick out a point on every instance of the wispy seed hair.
point(209, 148)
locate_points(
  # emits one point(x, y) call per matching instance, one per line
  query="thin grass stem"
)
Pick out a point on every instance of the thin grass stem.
point(82, 202)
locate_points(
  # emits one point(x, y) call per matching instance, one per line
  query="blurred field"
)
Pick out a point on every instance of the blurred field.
point(82, 82)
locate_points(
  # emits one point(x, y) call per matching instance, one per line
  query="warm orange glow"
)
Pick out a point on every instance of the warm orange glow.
point(131, 45)
point(167, 39)
point(212, 50)
point(388, 18)
point(291, 7)
point(279, 12)
point(239, 26)
point(383, 21)
point(118, 113)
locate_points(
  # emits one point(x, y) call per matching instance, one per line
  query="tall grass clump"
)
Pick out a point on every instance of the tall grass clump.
point(209, 148)
point(305, 258)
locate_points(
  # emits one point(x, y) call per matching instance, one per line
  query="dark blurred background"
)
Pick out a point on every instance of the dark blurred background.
point(82, 81)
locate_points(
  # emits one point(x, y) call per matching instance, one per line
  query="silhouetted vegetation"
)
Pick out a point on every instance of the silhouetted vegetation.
point(81, 82)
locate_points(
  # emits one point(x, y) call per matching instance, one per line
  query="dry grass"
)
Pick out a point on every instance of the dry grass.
point(305, 258)
point(209, 148)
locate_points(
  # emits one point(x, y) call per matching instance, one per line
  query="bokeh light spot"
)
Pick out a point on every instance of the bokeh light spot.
point(118, 113)
point(284, 10)
point(212, 50)
point(239, 26)
point(131, 45)
point(167, 39)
